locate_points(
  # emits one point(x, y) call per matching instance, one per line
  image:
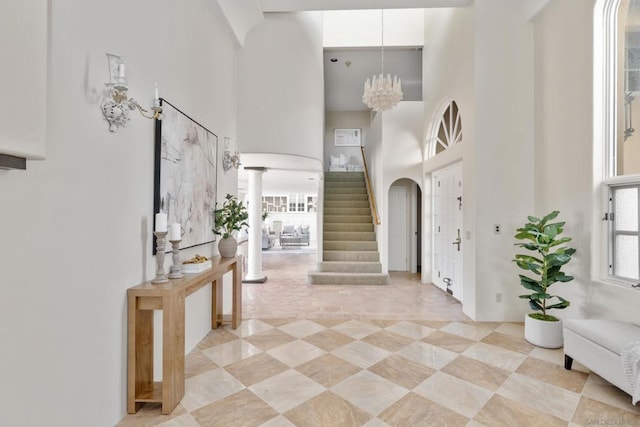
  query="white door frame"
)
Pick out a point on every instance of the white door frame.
point(447, 217)
point(410, 231)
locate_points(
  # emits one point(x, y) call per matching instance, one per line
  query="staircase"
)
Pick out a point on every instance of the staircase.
point(350, 253)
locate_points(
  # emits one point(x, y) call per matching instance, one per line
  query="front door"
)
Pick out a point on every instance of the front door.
point(447, 229)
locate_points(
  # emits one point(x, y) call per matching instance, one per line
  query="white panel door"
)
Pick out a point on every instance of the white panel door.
point(447, 229)
point(398, 230)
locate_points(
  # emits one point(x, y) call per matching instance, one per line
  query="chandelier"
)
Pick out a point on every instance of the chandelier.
point(382, 93)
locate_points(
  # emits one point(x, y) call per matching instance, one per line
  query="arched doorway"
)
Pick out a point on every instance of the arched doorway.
point(405, 199)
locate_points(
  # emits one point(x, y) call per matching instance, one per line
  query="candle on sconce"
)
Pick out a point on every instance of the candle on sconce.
point(161, 222)
point(156, 97)
point(121, 69)
point(175, 232)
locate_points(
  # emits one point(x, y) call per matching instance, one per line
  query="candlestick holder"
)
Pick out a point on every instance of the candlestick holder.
point(176, 268)
point(161, 276)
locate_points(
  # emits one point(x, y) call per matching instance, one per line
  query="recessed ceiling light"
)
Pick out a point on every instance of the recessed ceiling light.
point(334, 59)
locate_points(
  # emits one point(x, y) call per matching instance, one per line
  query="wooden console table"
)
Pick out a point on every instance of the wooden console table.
point(169, 297)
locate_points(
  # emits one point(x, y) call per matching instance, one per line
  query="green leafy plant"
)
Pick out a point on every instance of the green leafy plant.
point(546, 264)
point(265, 214)
point(232, 216)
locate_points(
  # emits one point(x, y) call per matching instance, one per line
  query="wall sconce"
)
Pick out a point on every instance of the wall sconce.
point(229, 160)
point(117, 104)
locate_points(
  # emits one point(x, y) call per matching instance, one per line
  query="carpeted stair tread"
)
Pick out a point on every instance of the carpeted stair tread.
point(342, 219)
point(347, 211)
point(355, 245)
point(323, 278)
point(345, 190)
point(341, 236)
point(333, 204)
point(365, 256)
point(350, 267)
point(342, 197)
point(350, 226)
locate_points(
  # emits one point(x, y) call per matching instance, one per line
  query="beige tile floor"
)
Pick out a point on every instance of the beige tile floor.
point(400, 355)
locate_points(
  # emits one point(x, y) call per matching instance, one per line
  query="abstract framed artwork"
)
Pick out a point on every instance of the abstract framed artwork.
point(185, 175)
point(347, 137)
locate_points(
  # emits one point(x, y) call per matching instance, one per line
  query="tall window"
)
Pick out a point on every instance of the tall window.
point(622, 180)
point(625, 233)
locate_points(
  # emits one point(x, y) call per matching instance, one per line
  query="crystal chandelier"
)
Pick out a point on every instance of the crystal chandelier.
point(382, 93)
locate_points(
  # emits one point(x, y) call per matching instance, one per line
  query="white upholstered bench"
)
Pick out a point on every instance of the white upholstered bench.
point(596, 344)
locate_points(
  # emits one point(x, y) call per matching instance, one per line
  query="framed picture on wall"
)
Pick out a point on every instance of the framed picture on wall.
point(185, 175)
point(347, 137)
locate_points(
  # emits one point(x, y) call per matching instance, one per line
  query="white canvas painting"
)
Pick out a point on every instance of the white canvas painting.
point(187, 175)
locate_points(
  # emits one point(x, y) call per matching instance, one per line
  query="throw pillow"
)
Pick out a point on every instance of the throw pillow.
point(304, 229)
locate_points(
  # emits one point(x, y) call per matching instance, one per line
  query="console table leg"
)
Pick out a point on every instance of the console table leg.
point(172, 352)
point(216, 303)
point(236, 310)
point(140, 354)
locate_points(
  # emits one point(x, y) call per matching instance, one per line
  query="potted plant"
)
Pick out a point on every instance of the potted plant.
point(232, 216)
point(545, 266)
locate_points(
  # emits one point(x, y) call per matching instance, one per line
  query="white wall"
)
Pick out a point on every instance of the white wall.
point(23, 105)
point(76, 226)
point(344, 120)
point(281, 86)
point(401, 154)
point(482, 57)
point(504, 151)
point(358, 28)
point(448, 70)
point(564, 155)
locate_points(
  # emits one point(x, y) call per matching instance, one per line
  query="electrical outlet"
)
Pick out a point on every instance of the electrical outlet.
point(498, 297)
point(497, 229)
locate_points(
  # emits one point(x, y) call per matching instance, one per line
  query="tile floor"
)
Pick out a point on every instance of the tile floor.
point(400, 355)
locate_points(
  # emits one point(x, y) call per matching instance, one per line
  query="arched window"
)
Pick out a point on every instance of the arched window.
point(448, 132)
point(617, 90)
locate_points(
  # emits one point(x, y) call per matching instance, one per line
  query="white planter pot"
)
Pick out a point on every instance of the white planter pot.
point(543, 333)
point(227, 247)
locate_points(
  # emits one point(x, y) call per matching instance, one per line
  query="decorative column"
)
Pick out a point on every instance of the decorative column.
point(254, 265)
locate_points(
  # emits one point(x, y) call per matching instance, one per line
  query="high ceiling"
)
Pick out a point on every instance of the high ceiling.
point(301, 5)
point(344, 78)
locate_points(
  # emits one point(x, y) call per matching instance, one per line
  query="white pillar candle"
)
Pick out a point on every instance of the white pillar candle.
point(161, 222)
point(156, 93)
point(174, 232)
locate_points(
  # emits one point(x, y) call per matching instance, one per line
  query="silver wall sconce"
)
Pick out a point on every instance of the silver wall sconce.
point(116, 104)
point(229, 160)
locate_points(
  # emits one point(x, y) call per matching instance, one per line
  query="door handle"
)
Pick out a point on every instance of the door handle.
point(458, 240)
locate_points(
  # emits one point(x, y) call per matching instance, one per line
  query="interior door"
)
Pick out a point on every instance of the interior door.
point(447, 229)
point(398, 234)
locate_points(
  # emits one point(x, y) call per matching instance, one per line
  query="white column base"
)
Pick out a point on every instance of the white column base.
point(257, 279)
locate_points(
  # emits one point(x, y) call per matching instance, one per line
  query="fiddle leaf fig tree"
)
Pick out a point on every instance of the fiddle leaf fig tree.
point(232, 216)
point(545, 264)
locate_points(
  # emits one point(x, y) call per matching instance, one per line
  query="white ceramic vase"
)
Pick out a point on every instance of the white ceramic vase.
point(543, 333)
point(227, 247)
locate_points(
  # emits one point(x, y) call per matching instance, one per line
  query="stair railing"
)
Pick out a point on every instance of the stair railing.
point(372, 197)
